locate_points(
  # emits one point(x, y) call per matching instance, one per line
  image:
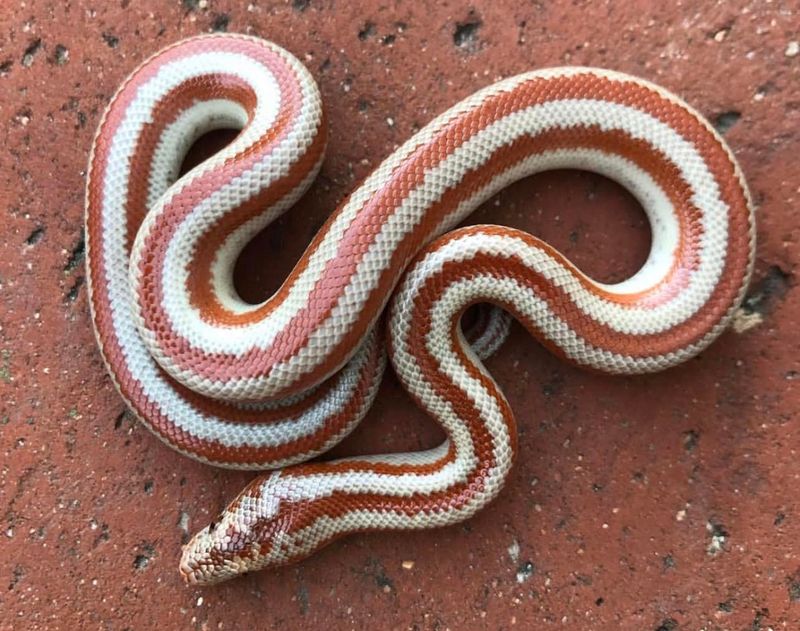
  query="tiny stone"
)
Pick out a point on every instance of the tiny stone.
point(408, 565)
point(720, 35)
point(525, 571)
point(183, 521)
point(61, 54)
point(111, 40)
point(220, 23)
point(792, 49)
point(680, 515)
point(200, 601)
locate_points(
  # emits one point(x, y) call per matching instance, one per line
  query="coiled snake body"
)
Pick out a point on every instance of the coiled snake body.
point(270, 385)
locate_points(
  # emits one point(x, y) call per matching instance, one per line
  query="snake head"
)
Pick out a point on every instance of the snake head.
point(241, 540)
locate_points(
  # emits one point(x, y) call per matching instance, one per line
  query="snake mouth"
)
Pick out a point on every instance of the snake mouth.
point(204, 562)
point(196, 565)
point(201, 574)
point(191, 571)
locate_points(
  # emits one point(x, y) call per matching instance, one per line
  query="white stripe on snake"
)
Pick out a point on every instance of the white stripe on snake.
point(271, 385)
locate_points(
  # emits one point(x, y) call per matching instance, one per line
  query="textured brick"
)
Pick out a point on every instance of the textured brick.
point(660, 502)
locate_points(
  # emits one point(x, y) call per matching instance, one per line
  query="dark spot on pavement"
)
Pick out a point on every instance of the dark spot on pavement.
point(146, 552)
point(465, 34)
point(74, 291)
point(724, 121)
point(690, 440)
point(35, 236)
point(111, 40)
point(794, 586)
point(667, 625)
point(76, 256)
point(30, 52)
point(764, 293)
point(220, 22)
point(60, 55)
point(366, 31)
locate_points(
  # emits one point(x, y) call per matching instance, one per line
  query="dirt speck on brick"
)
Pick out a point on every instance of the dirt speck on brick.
point(76, 255)
point(767, 291)
point(718, 535)
point(30, 52)
point(725, 120)
point(690, 440)
point(35, 236)
point(74, 290)
point(366, 31)
point(145, 554)
point(465, 33)
point(220, 23)
point(60, 55)
point(794, 586)
point(111, 40)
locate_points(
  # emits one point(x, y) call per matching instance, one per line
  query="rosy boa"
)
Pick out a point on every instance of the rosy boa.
point(270, 385)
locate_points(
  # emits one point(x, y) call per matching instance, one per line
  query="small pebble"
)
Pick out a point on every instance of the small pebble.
point(792, 49)
point(408, 565)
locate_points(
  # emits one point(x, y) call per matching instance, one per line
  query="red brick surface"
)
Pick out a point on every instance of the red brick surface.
point(656, 503)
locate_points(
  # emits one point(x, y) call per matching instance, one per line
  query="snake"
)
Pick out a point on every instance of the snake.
point(387, 279)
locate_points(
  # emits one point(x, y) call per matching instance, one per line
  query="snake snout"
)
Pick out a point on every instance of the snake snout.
point(197, 563)
point(188, 570)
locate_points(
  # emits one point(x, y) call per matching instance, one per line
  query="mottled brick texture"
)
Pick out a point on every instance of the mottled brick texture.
point(666, 502)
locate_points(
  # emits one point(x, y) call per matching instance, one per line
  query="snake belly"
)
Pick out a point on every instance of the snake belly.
point(271, 385)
